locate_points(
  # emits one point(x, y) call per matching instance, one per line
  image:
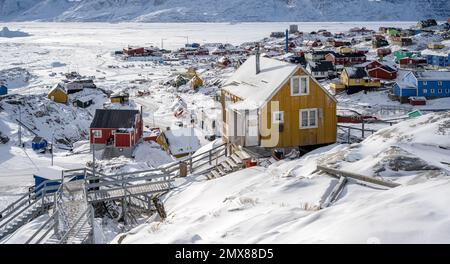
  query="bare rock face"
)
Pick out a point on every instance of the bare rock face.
point(222, 11)
point(397, 159)
point(3, 138)
point(408, 163)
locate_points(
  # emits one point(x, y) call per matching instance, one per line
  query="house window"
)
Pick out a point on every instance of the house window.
point(277, 117)
point(97, 133)
point(440, 83)
point(425, 91)
point(299, 85)
point(432, 91)
point(447, 91)
point(308, 118)
point(424, 83)
point(439, 90)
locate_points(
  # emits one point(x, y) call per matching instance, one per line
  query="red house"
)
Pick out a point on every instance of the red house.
point(383, 52)
point(412, 62)
point(383, 72)
point(134, 51)
point(376, 69)
point(345, 59)
point(116, 128)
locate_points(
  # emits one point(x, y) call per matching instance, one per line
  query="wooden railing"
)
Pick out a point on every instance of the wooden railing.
point(198, 160)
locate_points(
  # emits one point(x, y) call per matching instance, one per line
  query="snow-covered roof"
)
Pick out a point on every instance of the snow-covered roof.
point(433, 75)
point(51, 173)
point(246, 84)
point(182, 141)
point(256, 89)
point(84, 99)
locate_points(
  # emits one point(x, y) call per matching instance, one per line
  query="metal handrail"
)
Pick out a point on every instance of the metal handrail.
point(29, 194)
point(41, 228)
point(43, 192)
point(88, 209)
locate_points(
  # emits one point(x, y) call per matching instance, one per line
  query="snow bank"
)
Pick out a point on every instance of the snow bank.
point(280, 204)
point(151, 153)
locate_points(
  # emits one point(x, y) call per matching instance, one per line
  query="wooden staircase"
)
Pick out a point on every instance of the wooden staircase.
point(232, 163)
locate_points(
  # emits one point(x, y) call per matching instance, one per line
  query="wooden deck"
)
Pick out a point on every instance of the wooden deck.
point(118, 193)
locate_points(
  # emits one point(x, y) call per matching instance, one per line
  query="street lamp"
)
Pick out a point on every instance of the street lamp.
point(187, 38)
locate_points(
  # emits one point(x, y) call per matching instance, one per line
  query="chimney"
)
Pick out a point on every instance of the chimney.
point(257, 54)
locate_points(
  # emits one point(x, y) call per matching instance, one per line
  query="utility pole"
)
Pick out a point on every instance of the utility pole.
point(93, 153)
point(20, 127)
point(51, 149)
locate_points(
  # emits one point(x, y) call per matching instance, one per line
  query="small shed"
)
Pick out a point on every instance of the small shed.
point(3, 89)
point(180, 142)
point(196, 82)
point(58, 94)
point(417, 100)
point(83, 102)
point(52, 174)
point(120, 98)
point(39, 143)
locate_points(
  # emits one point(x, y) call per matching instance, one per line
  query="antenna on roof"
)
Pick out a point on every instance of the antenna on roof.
point(257, 54)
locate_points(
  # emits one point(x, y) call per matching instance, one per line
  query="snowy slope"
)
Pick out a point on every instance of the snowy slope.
point(280, 204)
point(220, 11)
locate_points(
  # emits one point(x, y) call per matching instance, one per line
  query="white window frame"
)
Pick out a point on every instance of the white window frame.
point(439, 90)
point(425, 91)
point(308, 110)
point(97, 133)
point(274, 120)
point(424, 82)
point(440, 83)
point(447, 91)
point(300, 85)
point(432, 91)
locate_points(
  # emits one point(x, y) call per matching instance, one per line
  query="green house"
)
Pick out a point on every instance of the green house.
point(400, 54)
point(393, 32)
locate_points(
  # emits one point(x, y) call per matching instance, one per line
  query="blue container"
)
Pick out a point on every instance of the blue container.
point(39, 143)
point(3, 90)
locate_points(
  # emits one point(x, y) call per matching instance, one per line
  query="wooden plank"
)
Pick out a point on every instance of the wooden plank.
point(231, 163)
point(215, 174)
point(236, 158)
point(339, 173)
point(335, 192)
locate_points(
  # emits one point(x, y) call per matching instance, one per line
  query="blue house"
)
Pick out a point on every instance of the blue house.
point(429, 84)
point(439, 60)
point(3, 89)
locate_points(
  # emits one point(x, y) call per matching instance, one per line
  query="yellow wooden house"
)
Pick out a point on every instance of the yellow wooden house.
point(436, 46)
point(358, 77)
point(344, 50)
point(58, 94)
point(273, 104)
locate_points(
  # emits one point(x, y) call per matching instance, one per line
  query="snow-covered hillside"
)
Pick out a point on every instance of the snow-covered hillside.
point(220, 11)
point(280, 204)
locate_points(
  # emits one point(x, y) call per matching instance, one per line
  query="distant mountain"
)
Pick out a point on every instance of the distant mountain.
point(222, 10)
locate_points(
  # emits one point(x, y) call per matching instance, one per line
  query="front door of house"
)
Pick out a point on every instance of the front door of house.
point(251, 128)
